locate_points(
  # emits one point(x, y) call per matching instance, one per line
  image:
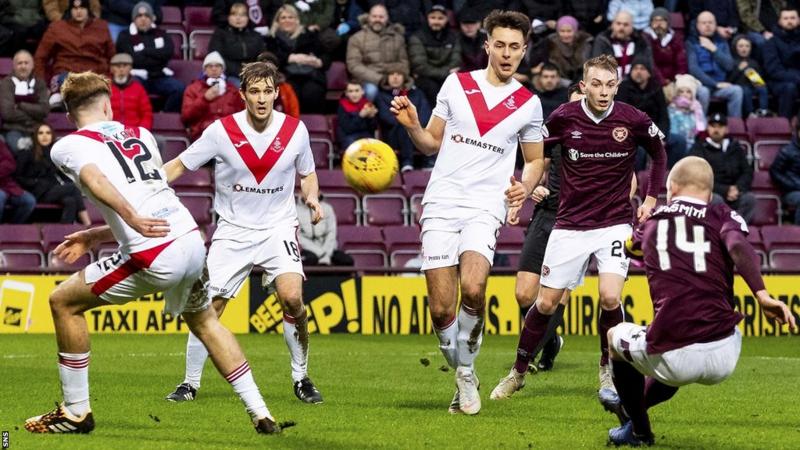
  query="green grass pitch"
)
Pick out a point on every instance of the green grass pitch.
point(378, 394)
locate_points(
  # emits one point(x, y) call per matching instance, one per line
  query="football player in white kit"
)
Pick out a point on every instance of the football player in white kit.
point(258, 152)
point(479, 120)
point(160, 250)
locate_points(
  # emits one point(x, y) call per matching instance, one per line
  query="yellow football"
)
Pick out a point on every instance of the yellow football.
point(369, 165)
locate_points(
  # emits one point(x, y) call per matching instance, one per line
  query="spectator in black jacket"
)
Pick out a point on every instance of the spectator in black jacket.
point(37, 174)
point(396, 82)
point(733, 175)
point(151, 49)
point(434, 52)
point(623, 43)
point(407, 13)
point(471, 39)
point(550, 90)
point(259, 12)
point(782, 61)
point(590, 14)
point(301, 56)
point(356, 116)
point(117, 13)
point(237, 42)
point(785, 173)
point(724, 11)
point(642, 90)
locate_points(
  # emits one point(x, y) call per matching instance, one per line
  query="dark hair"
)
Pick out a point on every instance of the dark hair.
point(38, 150)
point(606, 62)
point(787, 8)
point(574, 88)
point(354, 81)
point(258, 70)
point(507, 19)
point(268, 57)
point(550, 67)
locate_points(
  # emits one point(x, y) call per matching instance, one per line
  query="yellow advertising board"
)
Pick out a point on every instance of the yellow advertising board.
point(25, 308)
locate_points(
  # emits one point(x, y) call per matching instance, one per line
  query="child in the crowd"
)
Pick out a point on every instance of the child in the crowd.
point(685, 112)
point(748, 75)
point(397, 82)
point(356, 116)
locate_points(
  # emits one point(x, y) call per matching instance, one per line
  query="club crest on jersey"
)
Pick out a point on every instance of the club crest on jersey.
point(276, 145)
point(545, 271)
point(619, 134)
point(573, 154)
point(510, 103)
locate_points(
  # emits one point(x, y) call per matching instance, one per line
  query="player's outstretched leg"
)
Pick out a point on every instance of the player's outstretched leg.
point(533, 333)
point(630, 385)
point(229, 360)
point(67, 304)
point(443, 297)
point(611, 315)
point(474, 269)
point(289, 287)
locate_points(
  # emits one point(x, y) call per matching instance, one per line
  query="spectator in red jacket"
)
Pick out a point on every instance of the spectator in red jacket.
point(209, 98)
point(129, 100)
point(669, 52)
point(77, 43)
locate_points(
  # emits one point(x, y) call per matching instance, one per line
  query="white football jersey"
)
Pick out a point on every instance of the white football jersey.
point(255, 172)
point(130, 159)
point(483, 127)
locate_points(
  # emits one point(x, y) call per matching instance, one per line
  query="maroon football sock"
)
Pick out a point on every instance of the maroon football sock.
point(605, 321)
point(532, 333)
point(656, 392)
point(630, 387)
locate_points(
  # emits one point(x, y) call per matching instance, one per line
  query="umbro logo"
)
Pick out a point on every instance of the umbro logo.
point(239, 144)
point(472, 91)
point(576, 134)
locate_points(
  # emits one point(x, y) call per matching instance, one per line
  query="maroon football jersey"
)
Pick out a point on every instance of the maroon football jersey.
point(690, 273)
point(597, 162)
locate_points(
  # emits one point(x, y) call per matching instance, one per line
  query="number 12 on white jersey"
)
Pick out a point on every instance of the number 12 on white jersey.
point(697, 247)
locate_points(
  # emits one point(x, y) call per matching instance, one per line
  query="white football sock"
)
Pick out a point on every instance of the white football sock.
point(73, 369)
point(470, 336)
point(196, 355)
point(447, 342)
point(295, 333)
point(245, 387)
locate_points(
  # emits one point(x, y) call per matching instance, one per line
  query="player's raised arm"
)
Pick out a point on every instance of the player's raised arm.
point(93, 179)
point(427, 140)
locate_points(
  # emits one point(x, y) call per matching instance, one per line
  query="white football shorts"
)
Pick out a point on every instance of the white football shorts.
point(705, 363)
point(172, 268)
point(453, 231)
point(235, 250)
point(568, 251)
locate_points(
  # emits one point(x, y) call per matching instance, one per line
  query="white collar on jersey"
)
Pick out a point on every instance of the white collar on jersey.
point(688, 199)
point(590, 114)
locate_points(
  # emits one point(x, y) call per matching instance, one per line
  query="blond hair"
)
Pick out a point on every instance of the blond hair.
point(604, 62)
point(81, 89)
point(273, 30)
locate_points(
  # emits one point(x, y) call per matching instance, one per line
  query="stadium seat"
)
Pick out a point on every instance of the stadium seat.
point(676, 21)
point(337, 80)
point(197, 181)
point(198, 43)
point(783, 244)
point(772, 128)
point(321, 139)
point(186, 70)
point(364, 244)
point(331, 181)
point(385, 209)
point(60, 124)
point(403, 244)
point(21, 247)
point(766, 151)
point(168, 124)
point(415, 181)
point(415, 203)
point(171, 15)
point(768, 210)
point(509, 243)
point(200, 205)
point(173, 146)
point(762, 182)
point(6, 66)
point(347, 207)
point(197, 17)
point(52, 235)
point(208, 232)
point(180, 42)
point(94, 213)
point(754, 238)
point(737, 129)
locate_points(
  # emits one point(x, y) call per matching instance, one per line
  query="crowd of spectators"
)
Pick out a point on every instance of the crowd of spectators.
point(679, 61)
